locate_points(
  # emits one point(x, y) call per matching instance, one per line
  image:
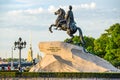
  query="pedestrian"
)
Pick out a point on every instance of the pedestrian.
point(9, 68)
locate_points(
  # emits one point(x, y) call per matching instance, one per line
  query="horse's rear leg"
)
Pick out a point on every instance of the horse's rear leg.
point(71, 35)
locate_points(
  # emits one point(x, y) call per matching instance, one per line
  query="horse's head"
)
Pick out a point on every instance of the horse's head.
point(60, 11)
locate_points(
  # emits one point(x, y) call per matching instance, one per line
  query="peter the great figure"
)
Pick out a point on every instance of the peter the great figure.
point(70, 18)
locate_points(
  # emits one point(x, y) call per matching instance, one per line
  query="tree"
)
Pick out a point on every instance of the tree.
point(75, 40)
point(89, 44)
point(100, 45)
point(113, 48)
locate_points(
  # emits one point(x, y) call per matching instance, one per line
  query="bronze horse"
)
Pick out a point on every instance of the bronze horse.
point(61, 24)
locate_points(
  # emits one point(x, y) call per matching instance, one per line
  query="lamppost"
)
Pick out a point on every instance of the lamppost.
point(20, 45)
point(12, 59)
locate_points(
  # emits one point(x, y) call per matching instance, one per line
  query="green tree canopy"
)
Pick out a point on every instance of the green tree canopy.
point(113, 46)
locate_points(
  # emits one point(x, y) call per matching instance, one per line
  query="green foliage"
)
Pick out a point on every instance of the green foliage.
point(107, 45)
point(89, 44)
point(7, 74)
point(100, 45)
point(60, 74)
point(113, 46)
point(9, 71)
point(75, 40)
point(14, 59)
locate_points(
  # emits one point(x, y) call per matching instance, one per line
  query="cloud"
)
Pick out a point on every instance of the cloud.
point(92, 5)
point(27, 11)
point(53, 8)
point(34, 11)
point(23, 1)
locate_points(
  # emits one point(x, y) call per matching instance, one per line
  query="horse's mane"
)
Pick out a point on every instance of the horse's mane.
point(63, 11)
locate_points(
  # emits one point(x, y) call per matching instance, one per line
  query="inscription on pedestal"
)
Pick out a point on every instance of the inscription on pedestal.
point(54, 49)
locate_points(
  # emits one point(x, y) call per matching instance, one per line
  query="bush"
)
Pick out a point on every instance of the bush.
point(7, 74)
point(60, 74)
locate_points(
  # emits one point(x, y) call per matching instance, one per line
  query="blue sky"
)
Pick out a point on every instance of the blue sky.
point(20, 18)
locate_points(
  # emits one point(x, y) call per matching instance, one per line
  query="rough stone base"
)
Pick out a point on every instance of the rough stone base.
point(64, 57)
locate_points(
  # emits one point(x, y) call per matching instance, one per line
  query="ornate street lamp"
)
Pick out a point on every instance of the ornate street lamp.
point(20, 45)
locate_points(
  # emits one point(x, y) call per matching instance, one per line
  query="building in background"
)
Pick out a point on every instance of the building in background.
point(30, 51)
point(30, 54)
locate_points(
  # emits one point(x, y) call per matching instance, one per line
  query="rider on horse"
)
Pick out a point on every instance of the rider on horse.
point(68, 19)
point(67, 23)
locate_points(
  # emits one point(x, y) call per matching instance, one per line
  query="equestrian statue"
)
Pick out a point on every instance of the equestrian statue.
point(66, 22)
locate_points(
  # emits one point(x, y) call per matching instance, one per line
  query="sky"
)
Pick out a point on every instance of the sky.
point(30, 20)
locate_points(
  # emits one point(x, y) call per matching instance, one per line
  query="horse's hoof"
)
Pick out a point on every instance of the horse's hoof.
point(51, 31)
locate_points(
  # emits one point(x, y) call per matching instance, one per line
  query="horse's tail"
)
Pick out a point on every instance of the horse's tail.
point(81, 36)
point(82, 39)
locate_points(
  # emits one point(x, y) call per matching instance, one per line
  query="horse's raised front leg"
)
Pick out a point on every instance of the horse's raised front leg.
point(50, 28)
